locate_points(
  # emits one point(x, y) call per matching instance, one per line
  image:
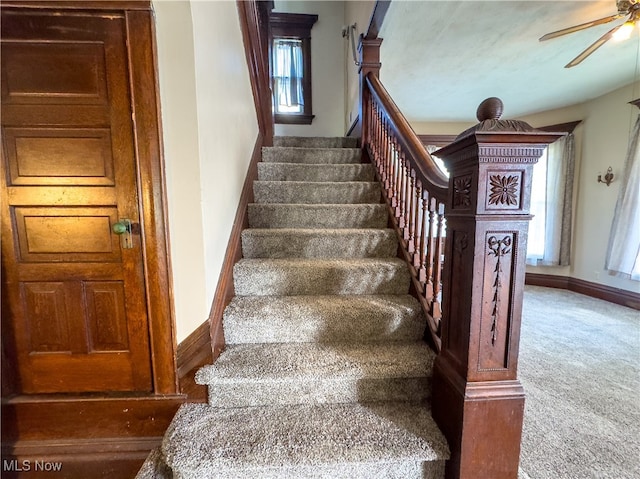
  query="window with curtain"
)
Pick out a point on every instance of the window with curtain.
point(291, 67)
point(623, 251)
point(287, 76)
point(549, 238)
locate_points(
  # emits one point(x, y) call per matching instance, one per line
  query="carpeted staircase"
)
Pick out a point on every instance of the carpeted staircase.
point(325, 374)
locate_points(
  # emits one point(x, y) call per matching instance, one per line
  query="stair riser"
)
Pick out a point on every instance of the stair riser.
point(315, 193)
point(323, 319)
point(313, 142)
point(373, 244)
point(317, 216)
point(318, 391)
point(327, 156)
point(394, 470)
point(263, 280)
point(297, 172)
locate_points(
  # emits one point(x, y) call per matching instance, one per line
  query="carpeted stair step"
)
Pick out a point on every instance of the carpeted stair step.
point(315, 142)
point(154, 467)
point(328, 441)
point(321, 172)
point(309, 373)
point(317, 216)
point(319, 243)
point(308, 192)
point(333, 156)
point(269, 277)
point(322, 319)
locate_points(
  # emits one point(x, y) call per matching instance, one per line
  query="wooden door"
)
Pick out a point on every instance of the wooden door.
point(74, 306)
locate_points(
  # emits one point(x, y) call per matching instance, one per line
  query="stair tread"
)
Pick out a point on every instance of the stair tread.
point(318, 231)
point(293, 276)
point(315, 155)
point(316, 192)
point(319, 215)
point(305, 141)
point(304, 361)
point(321, 262)
point(255, 319)
point(204, 439)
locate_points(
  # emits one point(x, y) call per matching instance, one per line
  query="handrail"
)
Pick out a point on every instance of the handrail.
point(415, 190)
point(431, 173)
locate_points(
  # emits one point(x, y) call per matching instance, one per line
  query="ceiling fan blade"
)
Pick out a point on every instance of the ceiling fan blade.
point(582, 26)
point(593, 47)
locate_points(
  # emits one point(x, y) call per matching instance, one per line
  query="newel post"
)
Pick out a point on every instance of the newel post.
point(478, 401)
point(369, 59)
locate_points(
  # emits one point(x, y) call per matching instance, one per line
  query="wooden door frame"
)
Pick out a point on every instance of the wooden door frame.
point(152, 200)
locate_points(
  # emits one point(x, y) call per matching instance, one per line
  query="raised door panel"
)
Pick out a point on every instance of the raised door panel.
point(76, 299)
point(59, 156)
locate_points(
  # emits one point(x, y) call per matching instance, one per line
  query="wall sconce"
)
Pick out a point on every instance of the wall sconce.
point(608, 177)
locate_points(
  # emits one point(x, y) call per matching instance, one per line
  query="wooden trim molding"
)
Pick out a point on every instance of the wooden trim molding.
point(193, 353)
point(152, 197)
point(256, 37)
point(293, 118)
point(564, 127)
point(594, 290)
point(355, 130)
point(377, 17)
point(296, 26)
point(117, 5)
point(78, 459)
point(437, 140)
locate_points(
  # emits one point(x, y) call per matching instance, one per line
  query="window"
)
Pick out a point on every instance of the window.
point(287, 76)
point(291, 67)
point(549, 238)
point(435, 142)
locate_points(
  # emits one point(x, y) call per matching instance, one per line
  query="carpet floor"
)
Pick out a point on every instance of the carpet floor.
point(580, 368)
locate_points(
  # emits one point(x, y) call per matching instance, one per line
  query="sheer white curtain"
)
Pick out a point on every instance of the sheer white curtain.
point(552, 202)
point(288, 71)
point(623, 252)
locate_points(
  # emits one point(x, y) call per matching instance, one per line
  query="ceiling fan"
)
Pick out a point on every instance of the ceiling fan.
point(630, 8)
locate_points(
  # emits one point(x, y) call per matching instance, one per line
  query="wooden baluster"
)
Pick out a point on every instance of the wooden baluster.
point(397, 181)
point(401, 179)
point(383, 153)
point(376, 140)
point(417, 228)
point(422, 252)
point(411, 245)
point(387, 152)
point(436, 310)
point(372, 132)
point(408, 198)
point(428, 291)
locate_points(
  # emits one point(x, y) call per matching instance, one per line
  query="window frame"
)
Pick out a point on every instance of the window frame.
point(294, 26)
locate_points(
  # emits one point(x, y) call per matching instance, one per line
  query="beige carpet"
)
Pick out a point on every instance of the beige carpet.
point(580, 367)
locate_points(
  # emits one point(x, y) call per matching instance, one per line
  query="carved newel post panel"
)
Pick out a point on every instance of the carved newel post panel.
point(478, 401)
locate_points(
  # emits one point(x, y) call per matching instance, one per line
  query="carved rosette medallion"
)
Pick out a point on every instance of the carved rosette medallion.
point(462, 191)
point(503, 191)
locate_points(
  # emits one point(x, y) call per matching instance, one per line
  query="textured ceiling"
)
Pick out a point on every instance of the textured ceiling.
point(440, 59)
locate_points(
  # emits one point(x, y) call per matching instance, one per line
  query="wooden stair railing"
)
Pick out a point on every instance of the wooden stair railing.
point(472, 295)
point(415, 191)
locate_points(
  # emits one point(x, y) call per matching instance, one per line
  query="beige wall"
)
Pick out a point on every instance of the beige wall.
point(327, 68)
point(601, 141)
point(210, 128)
point(359, 12)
